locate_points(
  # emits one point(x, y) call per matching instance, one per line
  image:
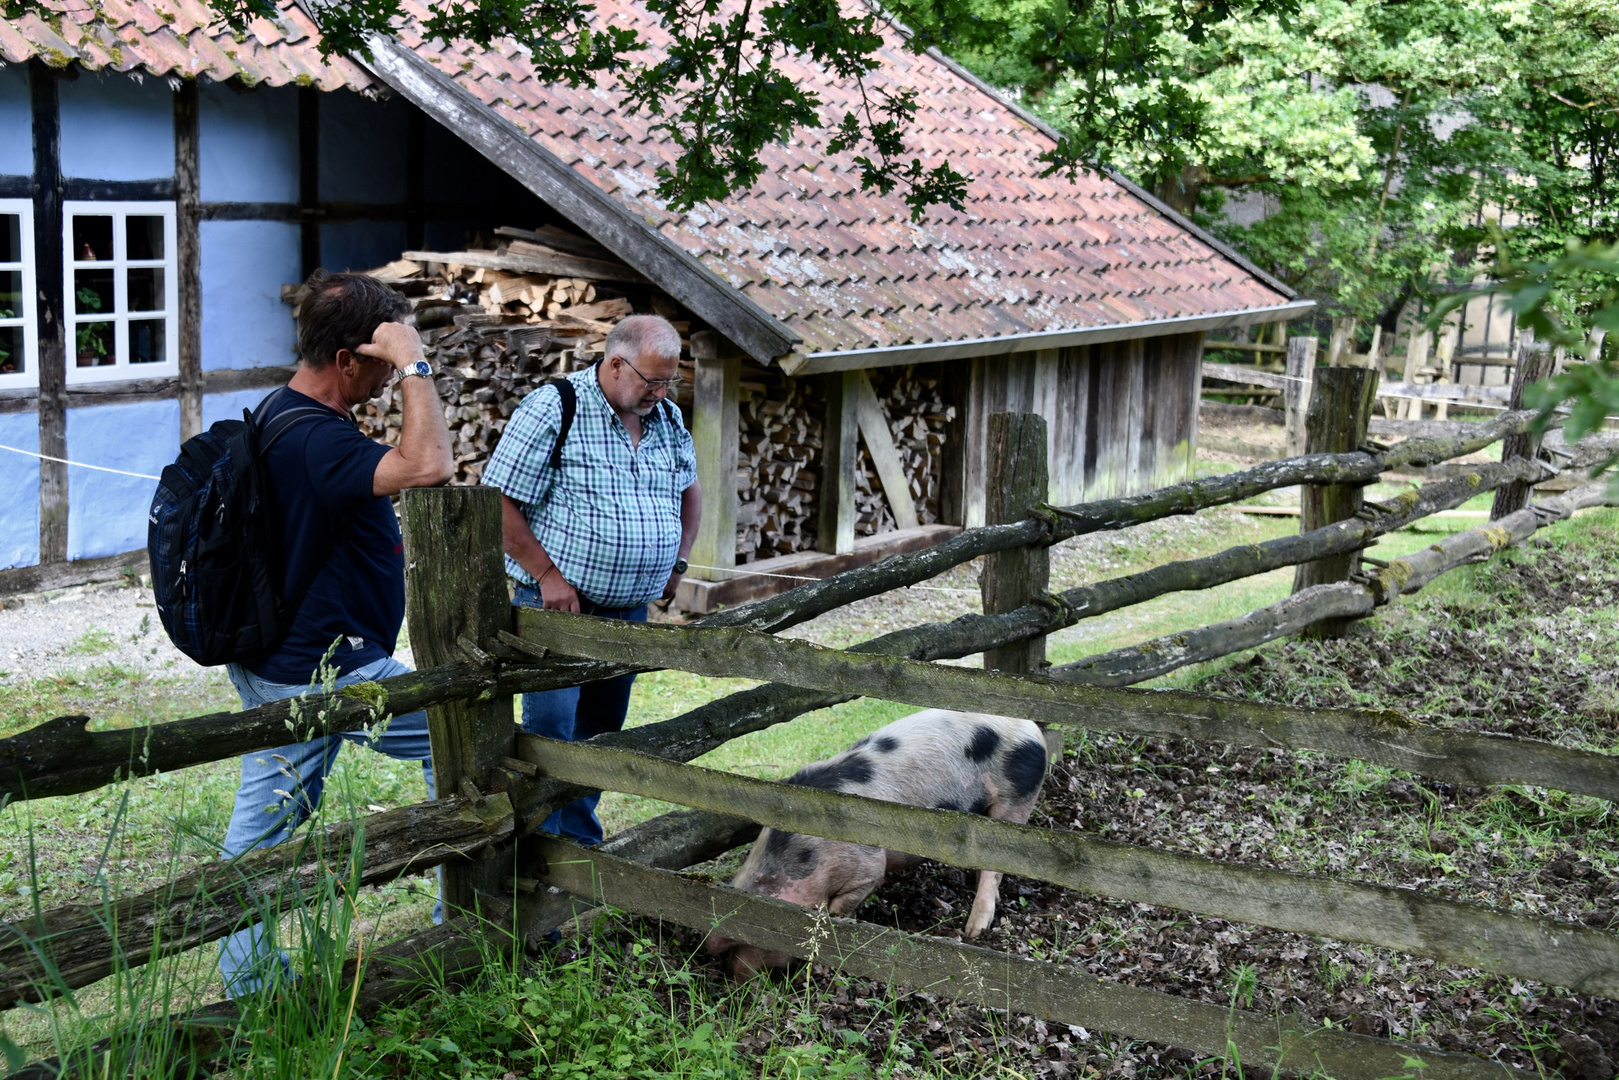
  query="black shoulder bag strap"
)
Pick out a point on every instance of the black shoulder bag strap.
point(570, 405)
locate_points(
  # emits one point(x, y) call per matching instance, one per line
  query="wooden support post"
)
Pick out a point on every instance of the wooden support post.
point(1416, 360)
point(1296, 393)
point(188, 289)
point(880, 443)
point(1341, 346)
point(455, 590)
point(48, 226)
point(1339, 410)
point(1443, 355)
point(714, 430)
point(1016, 470)
point(1534, 364)
point(834, 533)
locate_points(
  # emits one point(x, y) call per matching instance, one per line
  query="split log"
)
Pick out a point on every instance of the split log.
point(551, 263)
point(1506, 943)
point(1381, 738)
point(1351, 599)
point(996, 980)
point(60, 757)
point(72, 946)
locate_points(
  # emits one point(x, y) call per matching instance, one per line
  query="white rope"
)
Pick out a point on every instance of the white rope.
point(801, 577)
point(78, 464)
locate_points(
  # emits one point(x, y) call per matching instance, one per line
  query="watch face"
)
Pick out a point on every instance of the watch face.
point(421, 367)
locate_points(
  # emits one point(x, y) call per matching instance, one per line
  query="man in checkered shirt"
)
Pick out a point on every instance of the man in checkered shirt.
point(608, 531)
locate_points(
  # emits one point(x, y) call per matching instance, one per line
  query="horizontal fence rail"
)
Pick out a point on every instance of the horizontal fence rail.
point(1505, 943)
point(1382, 738)
point(1349, 599)
point(73, 946)
point(997, 980)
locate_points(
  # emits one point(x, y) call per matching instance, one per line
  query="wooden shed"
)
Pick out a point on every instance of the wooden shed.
point(1081, 298)
point(817, 310)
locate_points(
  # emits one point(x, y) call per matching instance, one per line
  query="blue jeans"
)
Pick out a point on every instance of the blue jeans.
point(282, 787)
point(577, 713)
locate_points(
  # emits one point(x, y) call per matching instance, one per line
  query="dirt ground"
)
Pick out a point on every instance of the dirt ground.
point(1469, 663)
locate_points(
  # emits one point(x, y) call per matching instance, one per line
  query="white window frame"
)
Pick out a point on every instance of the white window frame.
point(29, 375)
point(122, 369)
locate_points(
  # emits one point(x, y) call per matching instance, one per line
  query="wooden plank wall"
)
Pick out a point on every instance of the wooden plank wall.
point(1122, 415)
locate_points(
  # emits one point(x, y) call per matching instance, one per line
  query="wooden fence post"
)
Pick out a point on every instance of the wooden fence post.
point(1534, 364)
point(1300, 372)
point(1017, 482)
point(1339, 410)
point(456, 600)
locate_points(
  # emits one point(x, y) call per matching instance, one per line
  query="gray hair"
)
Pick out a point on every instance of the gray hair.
point(640, 334)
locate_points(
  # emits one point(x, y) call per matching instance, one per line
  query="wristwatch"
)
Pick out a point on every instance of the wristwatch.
point(419, 367)
point(680, 566)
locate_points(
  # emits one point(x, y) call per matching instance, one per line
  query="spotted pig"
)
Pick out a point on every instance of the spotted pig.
point(983, 764)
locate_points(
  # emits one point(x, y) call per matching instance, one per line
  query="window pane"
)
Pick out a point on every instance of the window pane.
point(145, 237)
point(146, 289)
point(93, 344)
point(11, 297)
point(11, 350)
point(10, 238)
point(92, 292)
point(92, 238)
point(146, 341)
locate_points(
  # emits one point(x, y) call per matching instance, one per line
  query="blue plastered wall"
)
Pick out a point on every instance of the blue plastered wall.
point(16, 122)
point(19, 491)
point(229, 406)
point(117, 127)
point(106, 512)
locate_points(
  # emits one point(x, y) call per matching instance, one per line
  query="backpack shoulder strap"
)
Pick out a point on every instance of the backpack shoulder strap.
point(277, 427)
point(570, 405)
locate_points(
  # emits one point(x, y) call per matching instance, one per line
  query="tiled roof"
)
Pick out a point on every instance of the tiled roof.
point(179, 37)
point(846, 268)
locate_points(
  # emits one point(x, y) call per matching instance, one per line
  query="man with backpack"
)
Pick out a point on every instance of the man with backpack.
point(600, 506)
point(341, 556)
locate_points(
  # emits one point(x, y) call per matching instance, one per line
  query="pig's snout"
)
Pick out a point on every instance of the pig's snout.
point(749, 960)
point(717, 944)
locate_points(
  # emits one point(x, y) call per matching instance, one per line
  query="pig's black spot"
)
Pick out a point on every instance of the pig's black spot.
point(985, 742)
point(778, 842)
point(832, 775)
point(887, 744)
point(981, 807)
point(948, 804)
point(1025, 768)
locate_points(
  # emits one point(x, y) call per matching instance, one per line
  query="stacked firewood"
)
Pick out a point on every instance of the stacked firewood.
point(499, 322)
point(779, 451)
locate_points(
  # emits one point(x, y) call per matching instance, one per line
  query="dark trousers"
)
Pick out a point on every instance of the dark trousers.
point(576, 713)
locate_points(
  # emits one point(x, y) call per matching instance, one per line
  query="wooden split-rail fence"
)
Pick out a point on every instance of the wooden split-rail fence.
point(502, 876)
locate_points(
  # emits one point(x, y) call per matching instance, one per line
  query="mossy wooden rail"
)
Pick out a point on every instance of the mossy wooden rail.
point(503, 784)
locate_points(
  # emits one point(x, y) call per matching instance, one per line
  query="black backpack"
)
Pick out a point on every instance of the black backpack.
point(216, 570)
point(570, 406)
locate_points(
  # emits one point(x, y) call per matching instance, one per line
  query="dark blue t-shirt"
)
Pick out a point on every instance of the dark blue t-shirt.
point(337, 539)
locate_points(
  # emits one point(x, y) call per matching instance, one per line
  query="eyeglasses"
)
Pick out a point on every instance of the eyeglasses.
point(654, 384)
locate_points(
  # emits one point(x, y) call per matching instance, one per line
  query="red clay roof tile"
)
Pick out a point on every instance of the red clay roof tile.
point(182, 37)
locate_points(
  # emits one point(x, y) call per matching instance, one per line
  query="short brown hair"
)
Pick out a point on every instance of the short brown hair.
point(343, 311)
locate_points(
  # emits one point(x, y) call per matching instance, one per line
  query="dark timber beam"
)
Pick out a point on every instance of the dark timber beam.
point(48, 225)
point(188, 202)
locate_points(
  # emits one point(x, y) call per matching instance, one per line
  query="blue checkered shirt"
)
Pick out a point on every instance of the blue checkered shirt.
point(610, 519)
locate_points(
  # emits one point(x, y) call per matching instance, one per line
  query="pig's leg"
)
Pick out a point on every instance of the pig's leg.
point(989, 881)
